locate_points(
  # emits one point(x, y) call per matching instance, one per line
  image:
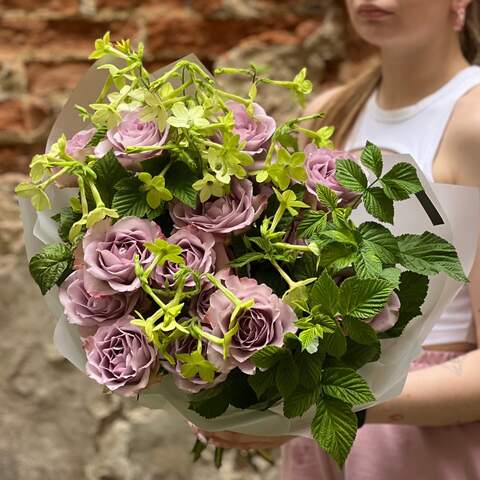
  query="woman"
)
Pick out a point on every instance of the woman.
point(423, 99)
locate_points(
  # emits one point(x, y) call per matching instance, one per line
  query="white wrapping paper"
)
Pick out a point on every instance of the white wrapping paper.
point(386, 377)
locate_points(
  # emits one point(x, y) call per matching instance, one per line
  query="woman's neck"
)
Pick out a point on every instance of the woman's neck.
point(408, 77)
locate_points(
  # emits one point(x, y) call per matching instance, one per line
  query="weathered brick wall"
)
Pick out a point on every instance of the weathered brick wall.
point(44, 45)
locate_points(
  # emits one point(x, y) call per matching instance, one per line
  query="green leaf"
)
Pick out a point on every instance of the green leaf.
point(287, 376)
point(262, 381)
point(378, 204)
point(299, 402)
point(51, 265)
point(327, 196)
point(66, 218)
point(98, 136)
point(372, 158)
point(211, 408)
point(350, 175)
point(347, 385)
point(358, 355)
point(335, 343)
point(305, 266)
point(429, 254)
point(325, 293)
point(267, 357)
point(129, 200)
point(380, 240)
point(310, 368)
point(179, 180)
point(401, 181)
point(392, 275)
point(363, 298)
point(412, 293)
point(312, 224)
point(309, 338)
point(109, 173)
point(334, 427)
point(359, 331)
point(367, 264)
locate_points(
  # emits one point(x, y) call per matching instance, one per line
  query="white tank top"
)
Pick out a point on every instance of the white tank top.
point(418, 130)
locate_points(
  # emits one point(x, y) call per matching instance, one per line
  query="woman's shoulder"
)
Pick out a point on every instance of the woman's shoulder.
point(463, 138)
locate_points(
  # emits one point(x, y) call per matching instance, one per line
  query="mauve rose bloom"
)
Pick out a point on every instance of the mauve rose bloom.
point(264, 324)
point(388, 317)
point(120, 357)
point(77, 148)
point(132, 132)
point(256, 130)
point(201, 303)
point(320, 164)
point(198, 252)
point(109, 253)
point(227, 214)
point(85, 310)
point(188, 344)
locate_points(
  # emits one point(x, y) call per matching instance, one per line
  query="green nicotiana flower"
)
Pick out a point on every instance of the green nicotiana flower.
point(209, 186)
point(155, 188)
point(184, 117)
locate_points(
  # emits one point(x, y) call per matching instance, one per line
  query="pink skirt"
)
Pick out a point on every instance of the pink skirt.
point(394, 452)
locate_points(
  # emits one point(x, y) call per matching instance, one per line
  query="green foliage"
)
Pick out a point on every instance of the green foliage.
point(179, 180)
point(65, 219)
point(334, 427)
point(267, 357)
point(130, 200)
point(350, 175)
point(429, 254)
point(51, 266)
point(401, 181)
point(299, 402)
point(347, 385)
point(378, 204)
point(371, 158)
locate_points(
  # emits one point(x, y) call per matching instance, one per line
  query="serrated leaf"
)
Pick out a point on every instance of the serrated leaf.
point(66, 218)
point(401, 181)
point(325, 293)
point(334, 427)
point(367, 264)
point(305, 266)
point(262, 381)
point(109, 173)
point(287, 376)
point(380, 240)
point(179, 180)
point(267, 357)
point(211, 408)
point(350, 175)
point(378, 204)
point(51, 265)
point(357, 355)
point(312, 224)
point(347, 385)
point(429, 254)
point(310, 368)
point(371, 157)
point(335, 343)
point(392, 275)
point(129, 200)
point(363, 298)
point(327, 196)
point(412, 293)
point(359, 331)
point(299, 402)
point(309, 339)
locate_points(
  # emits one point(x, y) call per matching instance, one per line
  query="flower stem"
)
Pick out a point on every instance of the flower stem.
point(290, 246)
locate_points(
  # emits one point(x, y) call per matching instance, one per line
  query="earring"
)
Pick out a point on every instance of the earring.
point(461, 12)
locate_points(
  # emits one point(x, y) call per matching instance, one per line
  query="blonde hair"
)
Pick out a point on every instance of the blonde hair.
point(344, 107)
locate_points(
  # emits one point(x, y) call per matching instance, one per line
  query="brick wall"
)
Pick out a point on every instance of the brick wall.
point(44, 45)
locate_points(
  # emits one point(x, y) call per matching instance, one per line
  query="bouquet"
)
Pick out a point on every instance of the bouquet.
point(199, 255)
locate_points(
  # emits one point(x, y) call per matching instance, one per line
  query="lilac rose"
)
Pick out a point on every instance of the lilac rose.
point(198, 252)
point(320, 164)
point(255, 130)
point(77, 147)
point(388, 317)
point(132, 132)
point(263, 324)
point(188, 344)
point(86, 310)
point(109, 254)
point(200, 304)
point(120, 357)
point(227, 214)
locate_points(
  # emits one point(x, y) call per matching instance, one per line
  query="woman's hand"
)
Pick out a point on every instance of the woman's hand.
point(240, 441)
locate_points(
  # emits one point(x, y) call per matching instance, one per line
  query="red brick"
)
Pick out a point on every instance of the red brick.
point(15, 158)
point(69, 37)
point(183, 32)
point(66, 7)
point(45, 78)
point(23, 115)
point(132, 4)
